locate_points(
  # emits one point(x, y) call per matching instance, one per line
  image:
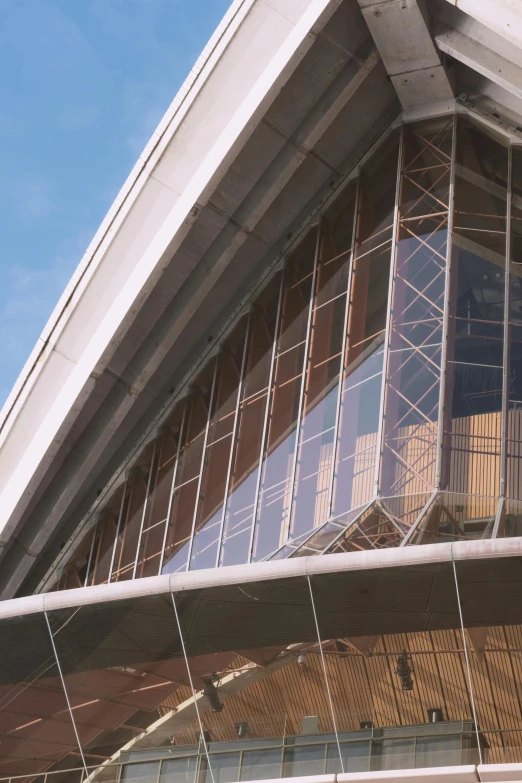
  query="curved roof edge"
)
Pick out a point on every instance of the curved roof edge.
point(144, 229)
point(166, 126)
point(257, 572)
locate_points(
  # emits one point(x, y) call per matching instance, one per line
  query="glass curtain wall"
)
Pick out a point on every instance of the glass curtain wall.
point(337, 672)
point(368, 396)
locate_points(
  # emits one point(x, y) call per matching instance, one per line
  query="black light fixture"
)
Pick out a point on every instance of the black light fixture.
point(435, 715)
point(211, 692)
point(242, 729)
point(366, 724)
point(404, 670)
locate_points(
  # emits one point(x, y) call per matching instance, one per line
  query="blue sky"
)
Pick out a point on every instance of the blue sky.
point(83, 85)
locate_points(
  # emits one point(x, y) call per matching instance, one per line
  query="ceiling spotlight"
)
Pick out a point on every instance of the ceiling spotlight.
point(301, 659)
point(211, 692)
point(404, 670)
point(435, 715)
point(242, 729)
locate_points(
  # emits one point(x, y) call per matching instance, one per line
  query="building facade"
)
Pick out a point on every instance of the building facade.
point(262, 478)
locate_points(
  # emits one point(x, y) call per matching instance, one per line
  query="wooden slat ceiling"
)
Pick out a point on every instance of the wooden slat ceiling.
point(366, 688)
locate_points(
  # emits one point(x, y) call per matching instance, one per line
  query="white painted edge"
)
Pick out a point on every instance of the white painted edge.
point(464, 773)
point(402, 557)
point(494, 772)
point(126, 197)
point(77, 386)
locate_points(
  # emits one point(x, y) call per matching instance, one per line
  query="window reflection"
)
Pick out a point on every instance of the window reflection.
point(281, 441)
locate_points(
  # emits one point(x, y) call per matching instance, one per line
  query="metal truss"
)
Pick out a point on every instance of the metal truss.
point(414, 369)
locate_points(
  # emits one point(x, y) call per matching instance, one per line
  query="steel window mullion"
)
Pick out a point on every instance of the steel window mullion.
point(339, 401)
point(267, 413)
point(91, 552)
point(173, 482)
point(235, 428)
point(203, 456)
point(302, 391)
point(507, 330)
point(145, 506)
point(118, 526)
point(387, 337)
point(506, 357)
point(445, 317)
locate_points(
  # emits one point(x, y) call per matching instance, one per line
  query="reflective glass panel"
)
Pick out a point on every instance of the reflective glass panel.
point(356, 447)
point(218, 450)
point(490, 597)
point(273, 503)
point(472, 426)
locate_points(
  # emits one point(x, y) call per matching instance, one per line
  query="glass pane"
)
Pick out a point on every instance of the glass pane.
point(187, 482)
point(355, 756)
point(120, 661)
point(218, 448)
point(472, 432)
point(36, 731)
point(398, 754)
point(164, 472)
point(181, 770)
point(490, 598)
point(413, 372)
point(277, 468)
point(266, 679)
point(261, 764)
point(132, 517)
point(78, 570)
point(306, 760)
point(356, 447)
point(438, 751)
point(454, 517)
point(225, 768)
point(106, 531)
point(392, 659)
point(476, 423)
point(321, 390)
point(514, 425)
point(237, 527)
point(140, 773)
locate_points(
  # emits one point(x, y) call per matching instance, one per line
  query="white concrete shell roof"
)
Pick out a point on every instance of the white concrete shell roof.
point(284, 102)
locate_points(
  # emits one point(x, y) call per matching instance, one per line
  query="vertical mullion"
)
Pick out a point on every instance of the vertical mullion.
point(118, 526)
point(145, 505)
point(233, 445)
point(339, 402)
point(506, 358)
point(173, 482)
point(302, 391)
point(91, 551)
point(445, 317)
point(267, 412)
point(391, 287)
point(203, 456)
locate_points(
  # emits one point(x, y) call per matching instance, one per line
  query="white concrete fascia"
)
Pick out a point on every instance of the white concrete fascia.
point(502, 16)
point(401, 557)
point(467, 773)
point(122, 203)
point(77, 368)
point(495, 772)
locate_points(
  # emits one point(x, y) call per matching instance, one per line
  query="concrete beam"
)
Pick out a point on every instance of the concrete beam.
point(485, 61)
point(400, 31)
point(502, 16)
